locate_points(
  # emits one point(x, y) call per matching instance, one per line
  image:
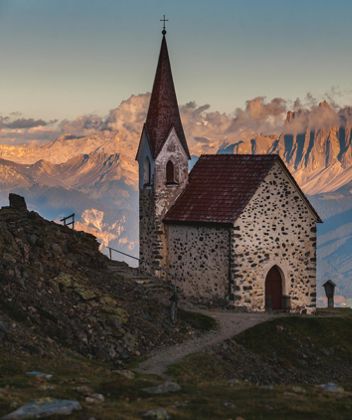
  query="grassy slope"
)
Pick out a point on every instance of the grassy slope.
point(285, 350)
point(288, 357)
point(206, 392)
point(124, 398)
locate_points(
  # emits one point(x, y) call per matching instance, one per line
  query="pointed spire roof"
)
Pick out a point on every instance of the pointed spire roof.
point(163, 113)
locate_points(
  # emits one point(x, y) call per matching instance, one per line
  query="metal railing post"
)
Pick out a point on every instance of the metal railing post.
point(69, 223)
point(120, 252)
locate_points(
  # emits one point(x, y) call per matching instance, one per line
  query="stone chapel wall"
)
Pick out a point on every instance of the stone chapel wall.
point(276, 228)
point(155, 200)
point(199, 259)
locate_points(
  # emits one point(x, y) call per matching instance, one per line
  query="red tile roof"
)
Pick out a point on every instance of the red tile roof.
point(163, 112)
point(220, 187)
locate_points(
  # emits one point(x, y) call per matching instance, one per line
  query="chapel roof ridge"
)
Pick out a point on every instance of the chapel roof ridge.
point(225, 156)
point(220, 187)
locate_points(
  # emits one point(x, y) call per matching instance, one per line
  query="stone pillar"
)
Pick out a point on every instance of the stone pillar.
point(17, 202)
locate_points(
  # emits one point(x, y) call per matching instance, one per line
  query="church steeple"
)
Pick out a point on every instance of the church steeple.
point(163, 113)
point(163, 165)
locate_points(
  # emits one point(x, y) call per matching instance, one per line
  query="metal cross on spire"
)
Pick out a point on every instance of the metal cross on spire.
point(164, 20)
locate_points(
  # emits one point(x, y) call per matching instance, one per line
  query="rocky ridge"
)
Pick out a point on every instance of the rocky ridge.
point(58, 290)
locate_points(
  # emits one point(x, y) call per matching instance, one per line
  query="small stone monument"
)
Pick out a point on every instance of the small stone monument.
point(17, 202)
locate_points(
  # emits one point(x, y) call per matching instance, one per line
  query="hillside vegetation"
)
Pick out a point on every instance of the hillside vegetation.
point(210, 388)
point(288, 350)
point(71, 322)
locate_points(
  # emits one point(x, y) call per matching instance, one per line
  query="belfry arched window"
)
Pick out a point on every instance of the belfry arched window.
point(147, 172)
point(170, 173)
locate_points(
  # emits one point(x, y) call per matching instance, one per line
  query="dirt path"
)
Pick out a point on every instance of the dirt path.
point(230, 324)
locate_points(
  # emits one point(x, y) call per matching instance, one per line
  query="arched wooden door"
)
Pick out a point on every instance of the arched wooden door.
point(273, 289)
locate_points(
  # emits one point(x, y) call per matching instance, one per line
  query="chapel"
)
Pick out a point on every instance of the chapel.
point(235, 228)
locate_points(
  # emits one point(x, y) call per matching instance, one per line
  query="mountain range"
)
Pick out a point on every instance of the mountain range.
point(89, 167)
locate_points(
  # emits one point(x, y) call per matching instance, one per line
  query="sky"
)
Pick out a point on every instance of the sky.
point(64, 58)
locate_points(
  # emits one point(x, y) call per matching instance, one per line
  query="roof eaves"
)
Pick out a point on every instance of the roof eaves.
point(196, 222)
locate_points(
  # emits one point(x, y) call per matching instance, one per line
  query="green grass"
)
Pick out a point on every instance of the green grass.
point(281, 335)
point(206, 392)
point(70, 372)
point(315, 348)
point(198, 369)
point(218, 400)
point(340, 312)
point(280, 342)
point(318, 345)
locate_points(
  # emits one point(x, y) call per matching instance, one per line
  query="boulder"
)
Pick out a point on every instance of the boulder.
point(95, 399)
point(39, 375)
point(332, 387)
point(44, 407)
point(165, 388)
point(157, 413)
point(128, 374)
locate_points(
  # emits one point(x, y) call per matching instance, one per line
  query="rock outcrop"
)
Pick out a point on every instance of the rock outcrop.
point(17, 202)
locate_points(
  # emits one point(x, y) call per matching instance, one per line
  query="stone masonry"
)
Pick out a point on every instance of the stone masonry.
point(237, 228)
point(156, 199)
point(276, 228)
point(199, 259)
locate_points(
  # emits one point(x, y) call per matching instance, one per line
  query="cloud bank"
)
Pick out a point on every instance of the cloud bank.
point(206, 130)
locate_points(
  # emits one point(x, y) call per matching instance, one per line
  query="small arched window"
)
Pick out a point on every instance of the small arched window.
point(146, 172)
point(170, 173)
